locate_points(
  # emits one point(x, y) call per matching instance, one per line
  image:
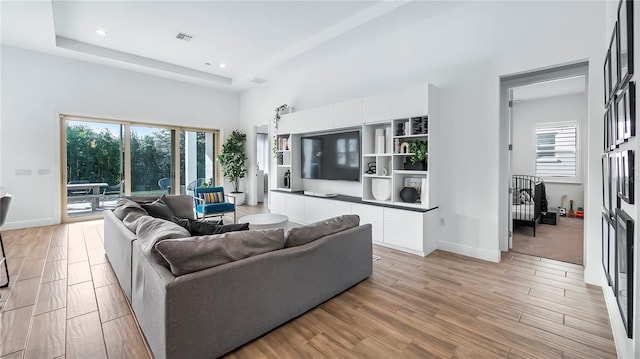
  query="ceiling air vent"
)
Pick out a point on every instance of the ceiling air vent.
point(183, 36)
point(259, 80)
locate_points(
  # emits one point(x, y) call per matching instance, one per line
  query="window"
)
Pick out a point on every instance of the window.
point(556, 151)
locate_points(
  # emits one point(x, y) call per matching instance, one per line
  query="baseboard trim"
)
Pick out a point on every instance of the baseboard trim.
point(31, 223)
point(487, 255)
point(402, 249)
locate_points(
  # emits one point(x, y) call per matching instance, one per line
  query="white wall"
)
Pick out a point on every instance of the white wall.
point(36, 88)
point(529, 113)
point(463, 52)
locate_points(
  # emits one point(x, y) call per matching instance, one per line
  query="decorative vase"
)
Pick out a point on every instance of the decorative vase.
point(380, 144)
point(409, 194)
point(423, 192)
point(389, 143)
point(381, 188)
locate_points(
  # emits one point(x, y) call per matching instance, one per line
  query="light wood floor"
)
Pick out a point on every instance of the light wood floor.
point(64, 300)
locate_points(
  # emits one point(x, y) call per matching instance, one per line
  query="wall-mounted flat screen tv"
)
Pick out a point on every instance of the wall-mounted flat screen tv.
point(331, 156)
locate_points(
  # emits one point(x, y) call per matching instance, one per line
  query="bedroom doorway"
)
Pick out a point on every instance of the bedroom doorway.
point(543, 118)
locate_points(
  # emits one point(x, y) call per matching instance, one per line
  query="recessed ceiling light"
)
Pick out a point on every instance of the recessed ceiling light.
point(222, 66)
point(101, 32)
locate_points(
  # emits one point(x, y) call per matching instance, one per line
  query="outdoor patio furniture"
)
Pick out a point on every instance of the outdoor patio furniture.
point(115, 189)
point(211, 201)
point(165, 184)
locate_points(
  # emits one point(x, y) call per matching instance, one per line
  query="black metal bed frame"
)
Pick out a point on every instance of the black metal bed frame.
point(533, 186)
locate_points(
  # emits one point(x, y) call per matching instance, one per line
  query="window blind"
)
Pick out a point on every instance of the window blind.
point(556, 151)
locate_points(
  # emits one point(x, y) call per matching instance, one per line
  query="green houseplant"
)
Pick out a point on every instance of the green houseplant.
point(418, 150)
point(232, 158)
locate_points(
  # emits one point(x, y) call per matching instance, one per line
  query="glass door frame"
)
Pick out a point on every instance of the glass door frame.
point(127, 157)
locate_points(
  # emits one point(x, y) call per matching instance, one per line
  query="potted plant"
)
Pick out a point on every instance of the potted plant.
point(232, 159)
point(418, 150)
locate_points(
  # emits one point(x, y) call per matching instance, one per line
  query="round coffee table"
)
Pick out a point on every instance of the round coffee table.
point(265, 220)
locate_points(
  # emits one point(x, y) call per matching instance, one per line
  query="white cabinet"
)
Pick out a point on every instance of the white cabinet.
point(372, 215)
point(404, 228)
point(348, 113)
point(319, 209)
point(288, 122)
point(295, 209)
point(306, 121)
point(410, 102)
point(377, 108)
point(278, 202)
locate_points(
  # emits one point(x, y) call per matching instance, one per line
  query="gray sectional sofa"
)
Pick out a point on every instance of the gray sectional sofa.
point(209, 312)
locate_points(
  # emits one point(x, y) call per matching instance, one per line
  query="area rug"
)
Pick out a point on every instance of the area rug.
point(563, 242)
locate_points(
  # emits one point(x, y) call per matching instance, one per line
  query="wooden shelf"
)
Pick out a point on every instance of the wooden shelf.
point(410, 172)
point(374, 176)
point(422, 135)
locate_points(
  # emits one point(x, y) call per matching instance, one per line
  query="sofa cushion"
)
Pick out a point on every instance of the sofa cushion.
point(200, 228)
point(192, 254)
point(159, 209)
point(126, 206)
point(150, 230)
point(309, 233)
point(181, 206)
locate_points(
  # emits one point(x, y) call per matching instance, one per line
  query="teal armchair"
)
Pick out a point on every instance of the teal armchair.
point(211, 201)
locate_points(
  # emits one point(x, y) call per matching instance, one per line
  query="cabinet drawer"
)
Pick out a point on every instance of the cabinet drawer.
point(318, 209)
point(372, 215)
point(404, 228)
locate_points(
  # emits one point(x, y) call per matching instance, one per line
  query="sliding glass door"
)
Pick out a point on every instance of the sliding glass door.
point(152, 160)
point(94, 166)
point(104, 160)
point(197, 154)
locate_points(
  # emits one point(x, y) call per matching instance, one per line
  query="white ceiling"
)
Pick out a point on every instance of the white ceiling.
point(252, 38)
point(554, 88)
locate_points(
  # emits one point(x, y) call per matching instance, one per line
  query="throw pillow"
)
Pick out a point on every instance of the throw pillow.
point(199, 227)
point(309, 233)
point(188, 255)
point(158, 209)
point(152, 230)
point(211, 197)
point(181, 206)
point(126, 206)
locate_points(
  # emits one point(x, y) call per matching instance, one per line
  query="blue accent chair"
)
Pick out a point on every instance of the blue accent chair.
point(213, 209)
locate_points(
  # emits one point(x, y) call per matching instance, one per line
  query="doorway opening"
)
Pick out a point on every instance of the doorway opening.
point(543, 131)
point(263, 161)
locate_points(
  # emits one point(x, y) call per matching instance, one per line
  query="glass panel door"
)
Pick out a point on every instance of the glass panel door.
point(94, 167)
point(196, 159)
point(152, 166)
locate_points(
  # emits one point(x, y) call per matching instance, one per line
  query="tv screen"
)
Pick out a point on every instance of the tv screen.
point(331, 156)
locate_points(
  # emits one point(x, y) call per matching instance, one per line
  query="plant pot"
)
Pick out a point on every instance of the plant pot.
point(409, 194)
point(418, 166)
point(239, 197)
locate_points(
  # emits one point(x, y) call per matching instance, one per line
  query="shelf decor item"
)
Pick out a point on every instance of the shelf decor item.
point(388, 142)
point(409, 194)
point(381, 188)
point(280, 110)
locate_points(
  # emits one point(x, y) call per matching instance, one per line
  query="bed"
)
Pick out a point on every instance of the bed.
point(528, 200)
